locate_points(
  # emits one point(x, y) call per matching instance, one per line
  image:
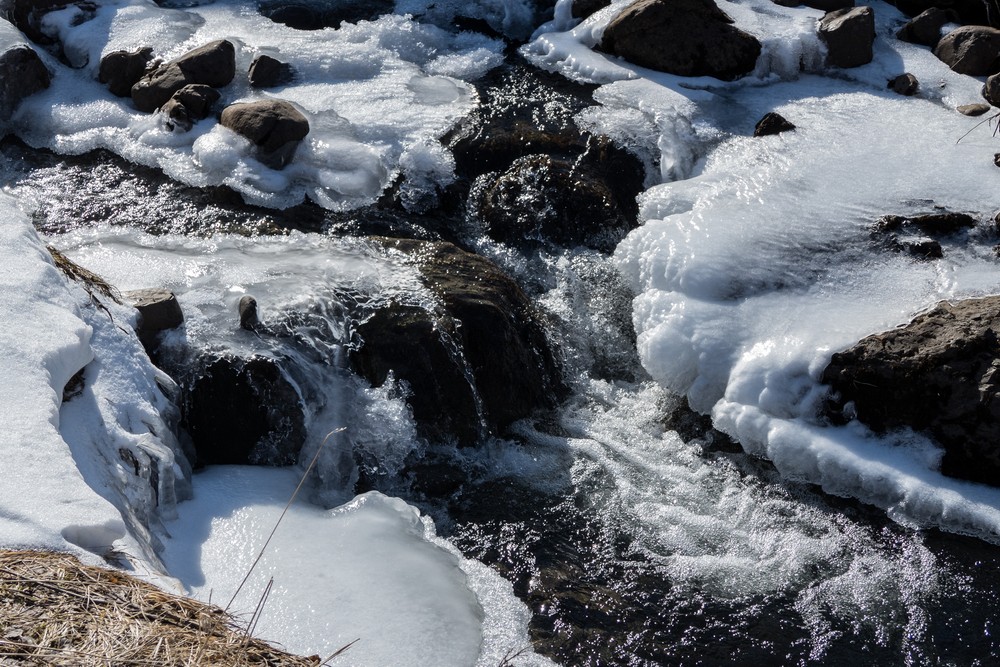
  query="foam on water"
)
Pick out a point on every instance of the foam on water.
point(377, 94)
point(759, 265)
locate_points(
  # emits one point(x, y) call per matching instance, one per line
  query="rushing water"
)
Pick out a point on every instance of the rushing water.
point(633, 531)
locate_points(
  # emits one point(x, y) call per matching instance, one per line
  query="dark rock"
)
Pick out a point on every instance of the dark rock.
point(298, 17)
point(26, 16)
point(771, 123)
point(848, 35)
point(188, 105)
point(996, 159)
point(967, 12)
point(267, 72)
point(274, 126)
point(925, 28)
point(321, 14)
point(240, 411)
point(121, 70)
point(937, 224)
point(904, 84)
point(822, 5)
point(22, 73)
point(971, 49)
point(213, 64)
point(248, 313)
point(542, 199)
point(925, 249)
point(938, 375)
point(972, 109)
point(584, 8)
point(158, 312)
point(475, 365)
point(683, 37)
point(991, 90)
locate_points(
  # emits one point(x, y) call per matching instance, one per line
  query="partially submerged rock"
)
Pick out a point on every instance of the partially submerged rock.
point(159, 311)
point(848, 35)
point(939, 223)
point(972, 109)
point(188, 105)
point(121, 70)
point(939, 375)
point(991, 90)
point(772, 123)
point(268, 72)
point(274, 126)
point(312, 15)
point(22, 73)
point(971, 49)
point(904, 84)
point(683, 37)
point(925, 28)
point(213, 64)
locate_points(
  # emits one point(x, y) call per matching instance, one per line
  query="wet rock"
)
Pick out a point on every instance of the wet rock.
point(966, 12)
point(925, 249)
point(541, 199)
point(972, 109)
point(121, 70)
point(991, 90)
point(213, 64)
point(268, 72)
point(22, 74)
point(939, 375)
point(476, 364)
point(188, 105)
point(584, 8)
point(822, 5)
point(324, 13)
point(158, 312)
point(848, 35)
point(904, 84)
point(274, 126)
point(683, 37)
point(937, 224)
point(925, 28)
point(771, 123)
point(996, 159)
point(248, 313)
point(243, 410)
point(971, 49)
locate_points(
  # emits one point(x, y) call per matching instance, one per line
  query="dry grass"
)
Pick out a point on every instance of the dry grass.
point(56, 611)
point(90, 280)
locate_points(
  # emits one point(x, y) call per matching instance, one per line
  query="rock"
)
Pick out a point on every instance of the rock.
point(325, 13)
point(938, 375)
point(996, 159)
point(683, 37)
point(267, 72)
point(22, 73)
point(158, 312)
point(474, 366)
point(972, 109)
point(121, 70)
point(248, 313)
point(771, 123)
point(188, 105)
point(966, 12)
point(584, 8)
point(925, 28)
point(26, 16)
point(971, 49)
point(822, 5)
point(213, 64)
point(243, 410)
point(904, 84)
point(274, 126)
point(991, 90)
point(541, 199)
point(925, 249)
point(848, 35)
point(937, 224)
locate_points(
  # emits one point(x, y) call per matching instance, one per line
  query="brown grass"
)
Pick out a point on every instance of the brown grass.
point(90, 280)
point(56, 611)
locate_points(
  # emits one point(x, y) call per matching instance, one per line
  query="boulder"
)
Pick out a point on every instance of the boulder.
point(243, 410)
point(967, 12)
point(683, 37)
point(213, 64)
point(924, 249)
point(925, 28)
point(274, 126)
point(248, 313)
point(121, 70)
point(474, 365)
point(541, 199)
point(158, 312)
point(904, 84)
point(848, 35)
point(939, 375)
point(991, 90)
point(22, 73)
point(937, 224)
point(771, 123)
point(971, 49)
point(188, 105)
point(972, 109)
point(268, 72)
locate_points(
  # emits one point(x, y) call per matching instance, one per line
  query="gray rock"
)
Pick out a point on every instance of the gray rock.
point(213, 64)
point(925, 28)
point(158, 312)
point(991, 90)
point(188, 105)
point(121, 70)
point(267, 72)
point(683, 37)
point(939, 375)
point(22, 73)
point(972, 109)
point(274, 126)
point(771, 123)
point(904, 84)
point(848, 35)
point(248, 313)
point(971, 49)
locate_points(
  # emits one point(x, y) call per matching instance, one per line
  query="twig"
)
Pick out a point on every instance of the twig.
point(985, 120)
point(339, 651)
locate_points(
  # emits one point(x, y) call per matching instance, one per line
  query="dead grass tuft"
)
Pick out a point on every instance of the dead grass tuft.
point(90, 280)
point(56, 611)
